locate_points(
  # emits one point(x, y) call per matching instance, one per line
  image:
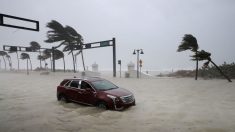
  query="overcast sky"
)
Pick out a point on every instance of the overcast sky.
point(156, 26)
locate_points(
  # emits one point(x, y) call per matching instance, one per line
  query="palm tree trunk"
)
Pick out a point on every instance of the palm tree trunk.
point(83, 62)
point(30, 65)
point(40, 60)
point(76, 63)
point(45, 64)
point(229, 80)
point(18, 60)
point(73, 62)
point(51, 64)
point(64, 64)
point(196, 67)
point(9, 61)
point(4, 62)
point(27, 68)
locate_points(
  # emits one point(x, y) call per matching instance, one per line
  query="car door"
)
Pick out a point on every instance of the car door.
point(87, 94)
point(72, 90)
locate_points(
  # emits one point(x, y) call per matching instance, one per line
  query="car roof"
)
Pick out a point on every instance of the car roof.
point(90, 79)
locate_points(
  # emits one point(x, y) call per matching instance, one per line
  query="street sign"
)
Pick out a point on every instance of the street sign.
point(119, 62)
point(141, 63)
point(104, 43)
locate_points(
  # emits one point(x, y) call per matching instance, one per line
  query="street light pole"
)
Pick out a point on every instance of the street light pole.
point(137, 63)
point(139, 51)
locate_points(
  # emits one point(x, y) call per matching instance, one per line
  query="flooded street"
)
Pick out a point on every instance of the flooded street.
point(29, 104)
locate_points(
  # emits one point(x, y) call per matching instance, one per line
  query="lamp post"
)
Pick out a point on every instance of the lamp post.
point(139, 51)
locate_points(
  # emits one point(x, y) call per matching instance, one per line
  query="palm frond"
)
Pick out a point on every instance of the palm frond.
point(189, 42)
point(35, 45)
point(24, 56)
point(74, 34)
point(3, 53)
point(201, 55)
point(58, 54)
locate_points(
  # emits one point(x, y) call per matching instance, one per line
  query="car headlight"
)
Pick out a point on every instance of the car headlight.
point(113, 97)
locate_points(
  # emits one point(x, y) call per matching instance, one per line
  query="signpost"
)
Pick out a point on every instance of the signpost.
point(92, 45)
point(120, 63)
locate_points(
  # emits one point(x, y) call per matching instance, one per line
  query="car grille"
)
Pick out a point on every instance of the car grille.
point(128, 99)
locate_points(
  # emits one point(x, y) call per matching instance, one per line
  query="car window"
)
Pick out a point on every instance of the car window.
point(74, 84)
point(85, 85)
point(103, 85)
point(67, 84)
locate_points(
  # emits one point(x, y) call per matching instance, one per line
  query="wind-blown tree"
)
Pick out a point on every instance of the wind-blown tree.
point(9, 61)
point(47, 55)
point(67, 36)
point(189, 42)
point(42, 58)
point(78, 41)
point(203, 55)
point(35, 46)
point(25, 56)
point(14, 50)
point(58, 55)
point(3, 53)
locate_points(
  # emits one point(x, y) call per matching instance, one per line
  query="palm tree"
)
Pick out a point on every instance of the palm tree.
point(47, 54)
point(14, 50)
point(35, 46)
point(58, 55)
point(9, 60)
point(78, 41)
point(189, 42)
point(26, 56)
point(3, 53)
point(203, 55)
point(42, 58)
point(66, 36)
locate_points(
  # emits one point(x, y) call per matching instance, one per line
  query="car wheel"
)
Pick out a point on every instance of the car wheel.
point(63, 98)
point(102, 105)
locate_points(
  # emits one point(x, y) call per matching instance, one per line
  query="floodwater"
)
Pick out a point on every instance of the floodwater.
point(29, 104)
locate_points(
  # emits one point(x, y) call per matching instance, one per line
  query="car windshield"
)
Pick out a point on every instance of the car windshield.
point(103, 85)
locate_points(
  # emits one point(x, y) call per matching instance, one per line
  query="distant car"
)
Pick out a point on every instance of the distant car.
point(95, 91)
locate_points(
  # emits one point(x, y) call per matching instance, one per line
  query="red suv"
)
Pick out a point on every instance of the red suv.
point(95, 91)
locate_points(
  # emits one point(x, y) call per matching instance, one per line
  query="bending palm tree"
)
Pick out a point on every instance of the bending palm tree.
point(24, 56)
point(14, 50)
point(42, 58)
point(3, 53)
point(35, 46)
point(189, 42)
point(66, 36)
point(78, 41)
point(47, 54)
point(58, 55)
point(203, 55)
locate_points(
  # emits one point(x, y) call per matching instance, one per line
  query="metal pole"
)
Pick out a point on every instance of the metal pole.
point(137, 63)
point(120, 71)
point(53, 58)
point(114, 57)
